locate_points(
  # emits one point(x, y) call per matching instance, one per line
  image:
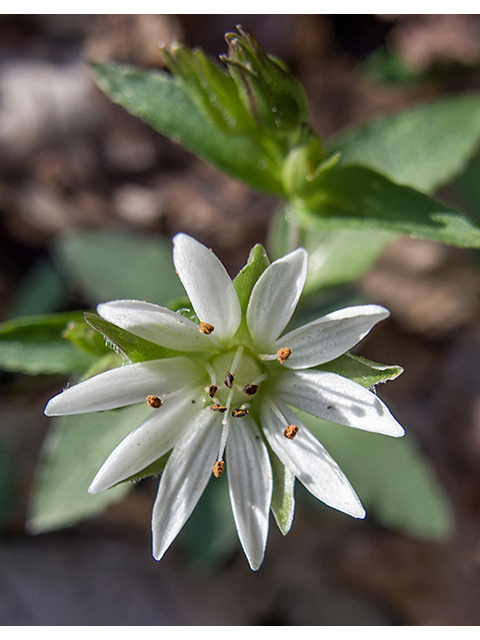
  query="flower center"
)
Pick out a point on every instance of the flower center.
point(234, 378)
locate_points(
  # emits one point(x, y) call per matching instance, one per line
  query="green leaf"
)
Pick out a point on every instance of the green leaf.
point(467, 189)
point(43, 290)
point(283, 498)
point(163, 102)
point(359, 198)
point(134, 348)
point(361, 370)
point(36, 345)
point(392, 478)
point(209, 536)
point(74, 450)
point(245, 280)
point(335, 257)
point(114, 266)
point(424, 146)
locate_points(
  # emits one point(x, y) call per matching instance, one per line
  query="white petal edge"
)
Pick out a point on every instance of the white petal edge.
point(184, 479)
point(150, 441)
point(156, 324)
point(330, 336)
point(338, 399)
point(275, 296)
point(125, 385)
point(208, 286)
point(310, 462)
point(250, 485)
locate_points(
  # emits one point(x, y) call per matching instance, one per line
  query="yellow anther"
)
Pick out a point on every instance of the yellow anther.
point(218, 468)
point(291, 431)
point(154, 402)
point(239, 413)
point(283, 354)
point(206, 328)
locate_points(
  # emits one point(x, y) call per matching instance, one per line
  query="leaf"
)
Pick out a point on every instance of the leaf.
point(335, 257)
point(162, 102)
point(35, 345)
point(245, 280)
point(43, 290)
point(425, 146)
point(136, 349)
point(361, 370)
point(359, 198)
point(209, 536)
point(114, 266)
point(74, 450)
point(392, 478)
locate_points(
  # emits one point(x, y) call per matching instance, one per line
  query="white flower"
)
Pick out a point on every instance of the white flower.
point(226, 394)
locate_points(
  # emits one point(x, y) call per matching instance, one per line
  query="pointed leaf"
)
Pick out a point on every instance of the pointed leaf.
point(424, 146)
point(36, 345)
point(246, 278)
point(359, 198)
point(394, 481)
point(74, 449)
point(115, 266)
point(164, 104)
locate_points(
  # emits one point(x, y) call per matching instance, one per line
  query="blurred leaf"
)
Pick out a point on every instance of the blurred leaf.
point(424, 146)
point(335, 257)
point(467, 189)
point(359, 198)
point(162, 102)
point(113, 266)
point(210, 536)
point(392, 478)
point(35, 345)
point(7, 489)
point(361, 370)
point(385, 65)
point(135, 348)
point(74, 450)
point(41, 291)
point(245, 280)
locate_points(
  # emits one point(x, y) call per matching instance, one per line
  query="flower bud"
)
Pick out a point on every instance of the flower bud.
point(273, 97)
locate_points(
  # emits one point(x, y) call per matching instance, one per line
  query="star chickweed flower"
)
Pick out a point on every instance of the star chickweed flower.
point(223, 403)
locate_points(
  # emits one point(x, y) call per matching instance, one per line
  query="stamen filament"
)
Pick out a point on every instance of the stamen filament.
point(226, 417)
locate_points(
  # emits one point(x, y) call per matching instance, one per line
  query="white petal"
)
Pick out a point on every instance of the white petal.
point(338, 399)
point(150, 441)
point(275, 296)
point(329, 337)
point(126, 385)
point(154, 323)
point(208, 285)
point(184, 479)
point(250, 485)
point(310, 462)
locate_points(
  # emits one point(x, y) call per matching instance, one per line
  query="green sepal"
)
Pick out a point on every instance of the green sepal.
point(136, 349)
point(359, 198)
point(361, 370)
point(36, 345)
point(85, 338)
point(283, 498)
point(247, 277)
